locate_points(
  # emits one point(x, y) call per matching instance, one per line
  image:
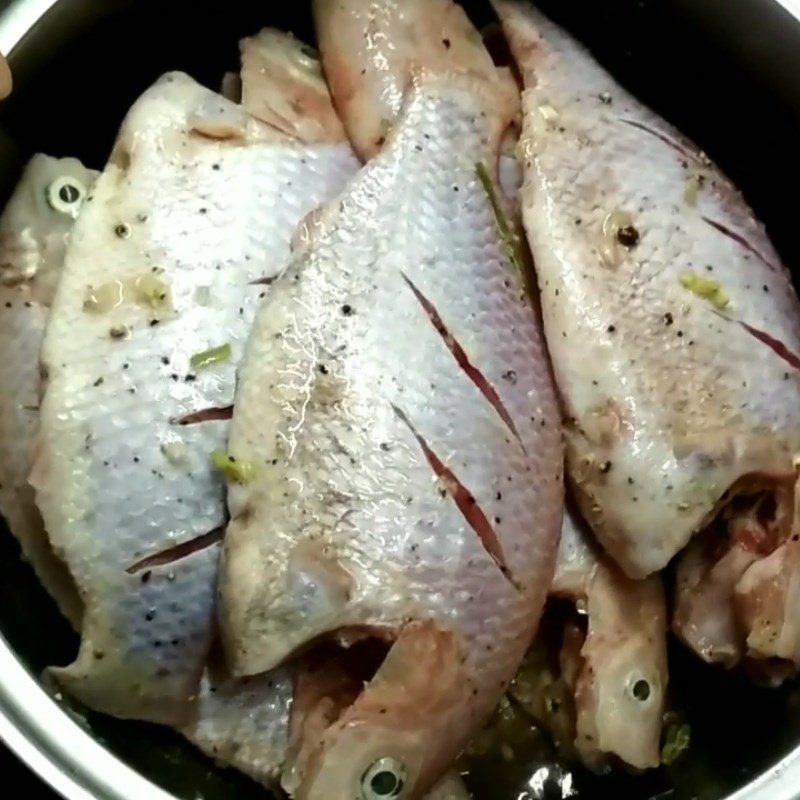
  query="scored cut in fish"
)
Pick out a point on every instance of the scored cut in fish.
point(34, 229)
point(674, 332)
point(193, 217)
point(619, 664)
point(395, 447)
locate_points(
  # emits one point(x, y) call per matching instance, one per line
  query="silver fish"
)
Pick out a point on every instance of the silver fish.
point(395, 443)
point(34, 230)
point(674, 331)
point(193, 217)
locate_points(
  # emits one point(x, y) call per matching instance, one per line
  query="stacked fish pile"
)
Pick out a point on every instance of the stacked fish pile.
point(286, 411)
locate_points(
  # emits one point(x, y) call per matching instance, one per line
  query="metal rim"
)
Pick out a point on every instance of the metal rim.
point(62, 753)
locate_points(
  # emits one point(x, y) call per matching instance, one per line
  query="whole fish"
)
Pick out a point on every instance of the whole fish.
point(618, 668)
point(34, 229)
point(394, 452)
point(192, 218)
point(673, 328)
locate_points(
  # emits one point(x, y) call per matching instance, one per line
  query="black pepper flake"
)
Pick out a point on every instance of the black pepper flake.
point(605, 467)
point(136, 459)
point(154, 322)
point(498, 496)
point(765, 287)
point(628, 236)
point(164, 360)
point(98, 382)
point(679, 334)
point(446, 43)
point(150, 616)
point(385, 447)
point(511, 377)
point(347, 310)
point(146, 576)
point(8, 304)
point(323, 369)
point(611, 328)
point(122, 230)
point(190, 378)
point(668, 318)
point(215, 166)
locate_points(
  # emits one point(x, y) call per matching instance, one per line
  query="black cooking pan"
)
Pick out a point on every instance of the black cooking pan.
point(726, 72)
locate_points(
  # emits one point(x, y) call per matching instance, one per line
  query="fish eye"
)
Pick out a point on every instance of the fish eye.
point(65, 195)
point(640, 688)
point(384, 780)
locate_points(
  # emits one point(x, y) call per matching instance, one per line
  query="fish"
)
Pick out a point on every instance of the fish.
point(34, 229)
point(194, 216)
point(617, 665)
point(674, 331)
point(395, 447)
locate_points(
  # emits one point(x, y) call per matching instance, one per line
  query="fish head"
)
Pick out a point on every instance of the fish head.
point(386, 738)
point(621, 691)
point(38, 219)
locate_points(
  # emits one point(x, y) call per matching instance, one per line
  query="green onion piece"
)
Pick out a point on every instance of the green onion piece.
point(507, 232)
point(676, 742)
point(216, 355)
point(234, 469)
point(707, 289)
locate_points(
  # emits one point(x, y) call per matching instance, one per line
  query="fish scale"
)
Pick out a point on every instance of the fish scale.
point(204, 198)
point(345, 384)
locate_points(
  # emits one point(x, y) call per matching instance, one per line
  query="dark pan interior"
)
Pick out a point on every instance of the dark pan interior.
point(727, 74)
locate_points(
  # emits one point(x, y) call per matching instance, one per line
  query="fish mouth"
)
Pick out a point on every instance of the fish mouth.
point(736, 580)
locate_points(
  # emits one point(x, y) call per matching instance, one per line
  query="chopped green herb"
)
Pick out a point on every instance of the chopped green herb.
point(234, 469)
point(508, 234)
point(707, 289)
point(152, 291)
point(676, 742)
point(216, 355)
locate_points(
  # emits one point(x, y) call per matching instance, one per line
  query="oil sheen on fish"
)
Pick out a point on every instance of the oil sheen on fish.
point(395, 444)
point(673, 327)
point(34, 230)
point(183, 232)
point(618, 669)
